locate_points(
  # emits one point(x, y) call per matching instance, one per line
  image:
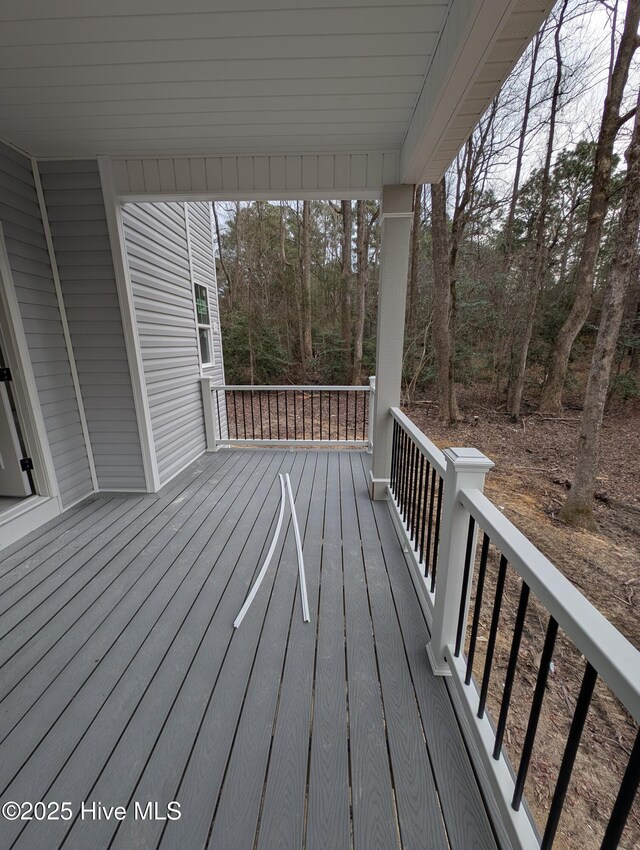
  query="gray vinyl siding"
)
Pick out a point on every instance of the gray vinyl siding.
point(158, 256)
point(35, 290)
point(75, 208)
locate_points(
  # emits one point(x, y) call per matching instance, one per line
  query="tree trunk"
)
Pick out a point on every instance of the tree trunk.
point(361, 284)
point(346, 285)
point(412, 301)
point(502, 341)
point(522, 351)
point(551, 398)
point(305, 292)
point(445, 387)
point(515, 191)
point(578, 508)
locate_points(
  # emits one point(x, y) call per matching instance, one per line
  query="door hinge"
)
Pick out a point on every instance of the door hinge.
point(26, 464)
point(5, 374)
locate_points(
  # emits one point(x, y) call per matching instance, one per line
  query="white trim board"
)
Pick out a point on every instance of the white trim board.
point(26, 517)
point(24, 383)
point(63, 318)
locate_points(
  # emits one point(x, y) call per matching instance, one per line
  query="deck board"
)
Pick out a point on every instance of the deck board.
point(122, 679)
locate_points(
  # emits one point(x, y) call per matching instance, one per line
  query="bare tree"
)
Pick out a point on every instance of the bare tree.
point(442, 342)
point(305, 288)
point(551, 399)
point(347, 283)
point(412, 301)
point(578, 508)
point(521, 352)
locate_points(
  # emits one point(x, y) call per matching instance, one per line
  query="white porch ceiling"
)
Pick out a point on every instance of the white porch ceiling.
point(137, 78)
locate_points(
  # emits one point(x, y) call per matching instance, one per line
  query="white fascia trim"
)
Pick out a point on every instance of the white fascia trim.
point(26, 395)
point(26, 517)
point(63, 318)
point(115, 227)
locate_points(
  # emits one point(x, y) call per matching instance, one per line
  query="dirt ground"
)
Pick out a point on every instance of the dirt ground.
point(534, 463)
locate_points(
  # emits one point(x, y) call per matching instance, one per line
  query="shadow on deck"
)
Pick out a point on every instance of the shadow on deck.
point(122, 679)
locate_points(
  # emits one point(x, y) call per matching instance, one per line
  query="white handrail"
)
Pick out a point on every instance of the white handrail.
point(433, 453)
point(613, 656)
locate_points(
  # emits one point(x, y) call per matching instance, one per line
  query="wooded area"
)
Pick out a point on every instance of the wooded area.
point(524, 274)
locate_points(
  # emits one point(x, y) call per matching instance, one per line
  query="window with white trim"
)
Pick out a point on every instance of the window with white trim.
point(205, 333)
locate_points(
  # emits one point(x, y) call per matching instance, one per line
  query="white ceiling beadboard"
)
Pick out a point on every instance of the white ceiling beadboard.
point(327, 83)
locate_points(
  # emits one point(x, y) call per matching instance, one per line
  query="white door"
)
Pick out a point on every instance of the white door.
point(13, 481)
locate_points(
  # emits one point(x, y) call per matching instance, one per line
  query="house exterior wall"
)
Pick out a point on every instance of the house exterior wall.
point(203, 267)
point(41, 318)
point(75, 209)
point(164, 244)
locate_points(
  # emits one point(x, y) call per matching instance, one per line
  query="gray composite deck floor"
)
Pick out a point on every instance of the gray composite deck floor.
point(122, 679)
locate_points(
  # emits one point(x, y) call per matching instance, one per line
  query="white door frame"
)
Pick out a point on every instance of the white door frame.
point(25, 393)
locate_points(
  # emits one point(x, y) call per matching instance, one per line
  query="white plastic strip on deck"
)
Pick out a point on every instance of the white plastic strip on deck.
point(296, 531)
point(267, 560)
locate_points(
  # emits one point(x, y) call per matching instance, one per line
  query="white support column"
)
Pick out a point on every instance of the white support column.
point(372, 407)
point(397, 212)
point(466, 470)
point(209, 423)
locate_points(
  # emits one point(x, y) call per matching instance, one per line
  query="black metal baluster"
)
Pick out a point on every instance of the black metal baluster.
point(365, 415)
point(218, 410)
point(330, 397)
point(399, 466)
point(304, 418)
point(414, 494)
point(403, 470)
point(253, 424)
point(624, 800)
point(465, 585)
point(286, 414)
point(338, 422)
point(511, 669)
point(425, 513)
point(419, 517)
point(427, 559)
point(482, 569)
point(312, 422)
point(407, 486)
point(277, 393)
point(295, 415)
point(394, 449)
point(355, 415)
point(569, 757)
point(260, 396)
point(534, 716)
point(235, 414)
point(243, 395)
point(436, 538)
point(269, 413)
point(493, 632)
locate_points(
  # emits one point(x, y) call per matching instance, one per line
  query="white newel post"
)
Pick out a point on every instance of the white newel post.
point(466, 470)
point(372, 402)
point(207, 406)
point(397, 206)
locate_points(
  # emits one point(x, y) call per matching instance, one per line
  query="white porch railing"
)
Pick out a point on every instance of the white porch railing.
point(287, 415)
point(438, 506)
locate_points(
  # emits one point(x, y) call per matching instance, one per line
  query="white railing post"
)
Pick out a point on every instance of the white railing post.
point(466, 469)
point(372, 417)
point(209, 424)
